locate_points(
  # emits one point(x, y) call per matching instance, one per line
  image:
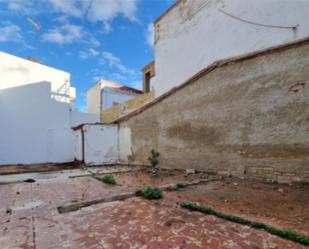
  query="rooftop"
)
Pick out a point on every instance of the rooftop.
point(118, 86)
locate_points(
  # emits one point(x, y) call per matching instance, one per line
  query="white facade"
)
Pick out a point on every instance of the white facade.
point(104, 94)
point(97, 144)
point(34, 128)
point(194, 34)
point(111, 96)
point(16, 71)
point(125, 144)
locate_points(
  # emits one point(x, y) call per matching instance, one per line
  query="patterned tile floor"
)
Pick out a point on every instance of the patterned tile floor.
point(29, 219)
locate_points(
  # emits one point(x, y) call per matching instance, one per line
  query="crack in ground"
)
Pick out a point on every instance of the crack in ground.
point(32, 219)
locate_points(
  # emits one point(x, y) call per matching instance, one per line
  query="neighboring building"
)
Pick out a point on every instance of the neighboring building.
point(191, 35)
point(105, 94)
point(16, 71)
point(115, 112)
point(148, 72)
point(36, 114)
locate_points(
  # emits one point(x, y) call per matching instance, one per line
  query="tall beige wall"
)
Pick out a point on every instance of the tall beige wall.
point(249, 117)
point(94, 99)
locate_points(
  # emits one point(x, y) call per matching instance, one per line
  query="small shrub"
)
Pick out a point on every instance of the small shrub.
point(153, 158)
point(180, 185)
point(150, 193)
point(109, 179)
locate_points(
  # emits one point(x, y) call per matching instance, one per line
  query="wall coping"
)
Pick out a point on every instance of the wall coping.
point(212, 67)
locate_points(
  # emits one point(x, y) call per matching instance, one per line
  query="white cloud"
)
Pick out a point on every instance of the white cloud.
point(113, 69)
point(114, 62)
point(93, 41)
point(103, 11)
point(67, 7)
point(107, 10)
point(67, 33)
point(90, 53)
point(10, 32)
point(21, 6)
point(150, 35)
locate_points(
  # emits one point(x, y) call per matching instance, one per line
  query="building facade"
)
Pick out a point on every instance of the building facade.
point(36, 113)
point(16, 71)
point(106, 94)
point(191, 35)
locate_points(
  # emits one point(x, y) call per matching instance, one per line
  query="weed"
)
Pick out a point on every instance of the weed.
point(150, 192)
point(109, 179)
point(180, 185)
point(153, 158)
point(283, 233)
point(176, 187)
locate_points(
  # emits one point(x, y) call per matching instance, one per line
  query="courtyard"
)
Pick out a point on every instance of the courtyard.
point(73, 208)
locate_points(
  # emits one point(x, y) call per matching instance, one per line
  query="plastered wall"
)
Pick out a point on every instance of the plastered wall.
point(246, 118)
point(16, 71)
point(196, 33)
point(35, 128)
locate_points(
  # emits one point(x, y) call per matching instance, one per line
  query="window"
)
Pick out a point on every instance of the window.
point(147, 82)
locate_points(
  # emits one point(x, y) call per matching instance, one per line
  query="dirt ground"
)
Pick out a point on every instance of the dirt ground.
point(29, 216)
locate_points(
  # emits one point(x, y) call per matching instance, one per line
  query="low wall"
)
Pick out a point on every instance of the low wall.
point(117, 111)
point(248, 116)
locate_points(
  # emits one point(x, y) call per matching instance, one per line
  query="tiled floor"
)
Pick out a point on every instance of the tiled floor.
point(29, 216)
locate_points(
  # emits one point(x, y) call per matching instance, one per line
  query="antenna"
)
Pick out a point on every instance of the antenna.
point(37, 26)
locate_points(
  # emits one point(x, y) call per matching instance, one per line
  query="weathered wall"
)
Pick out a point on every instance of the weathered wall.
point(249, 117)
point(196, 33)
point(111, 114)
point(99, 143)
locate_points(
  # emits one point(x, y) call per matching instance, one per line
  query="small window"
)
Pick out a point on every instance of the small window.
point(147, 82)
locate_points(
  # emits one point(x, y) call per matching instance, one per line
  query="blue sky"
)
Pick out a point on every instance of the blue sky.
point(90, 39)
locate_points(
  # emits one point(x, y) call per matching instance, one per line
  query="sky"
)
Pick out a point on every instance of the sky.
point(90, 39)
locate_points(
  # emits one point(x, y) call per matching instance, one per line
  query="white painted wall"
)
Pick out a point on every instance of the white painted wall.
point(78, 118)
point(111, 95)
point(16, 71)
point(195, 34)
point(78, 143)
point(125, 146)
point(100, 144)
point(35, 128)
